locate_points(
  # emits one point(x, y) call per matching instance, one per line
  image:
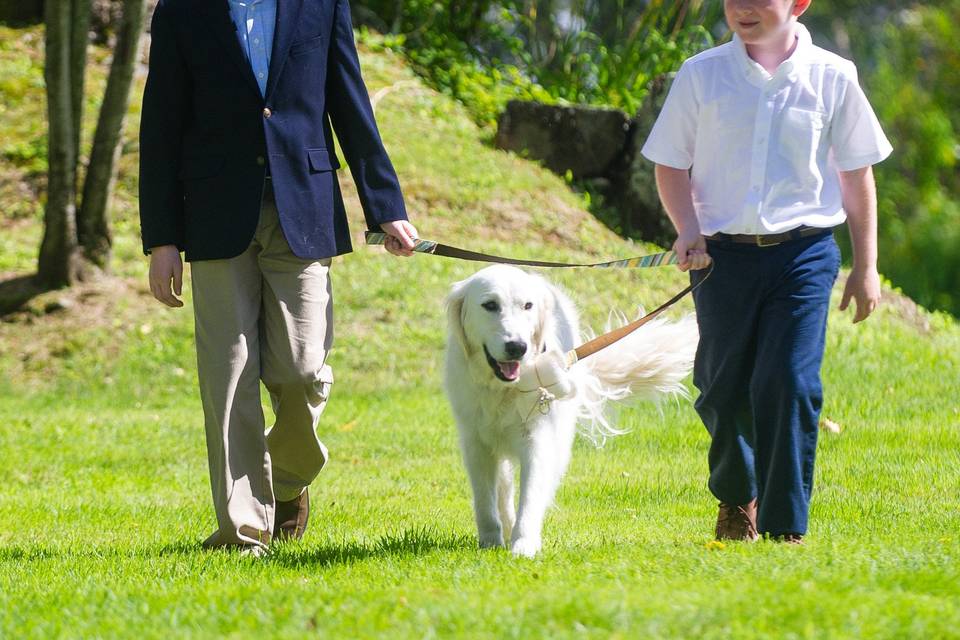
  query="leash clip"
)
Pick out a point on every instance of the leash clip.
point(543, 402)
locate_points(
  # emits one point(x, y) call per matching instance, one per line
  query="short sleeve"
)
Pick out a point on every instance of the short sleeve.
point(673, 137)
point(856, 138)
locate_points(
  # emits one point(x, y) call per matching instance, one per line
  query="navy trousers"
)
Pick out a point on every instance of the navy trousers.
point(763, 318)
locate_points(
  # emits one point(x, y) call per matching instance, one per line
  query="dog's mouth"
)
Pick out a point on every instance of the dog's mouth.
point(508, 371)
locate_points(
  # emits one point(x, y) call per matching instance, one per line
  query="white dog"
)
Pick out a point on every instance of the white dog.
point(515, 402)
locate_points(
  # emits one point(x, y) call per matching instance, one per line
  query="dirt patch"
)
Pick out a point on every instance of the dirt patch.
point(509, 220)
point(55, 323)
point(907, 310)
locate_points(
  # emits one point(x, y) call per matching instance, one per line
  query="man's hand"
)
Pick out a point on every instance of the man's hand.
point(401, 237)
point(166, 265)
point(691, 251)
point(864, 287)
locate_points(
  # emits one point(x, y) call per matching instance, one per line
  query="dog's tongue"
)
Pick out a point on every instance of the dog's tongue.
point(510, 370)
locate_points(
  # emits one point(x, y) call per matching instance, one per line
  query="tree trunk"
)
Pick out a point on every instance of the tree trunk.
point(79, 38)
point(397, 17)
point(59, 261)
point(94, 225)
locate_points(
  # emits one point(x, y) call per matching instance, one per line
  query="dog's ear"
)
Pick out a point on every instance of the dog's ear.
point(544, 328)
point(455, 298)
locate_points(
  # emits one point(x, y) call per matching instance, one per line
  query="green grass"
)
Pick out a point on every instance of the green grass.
point(105, 495)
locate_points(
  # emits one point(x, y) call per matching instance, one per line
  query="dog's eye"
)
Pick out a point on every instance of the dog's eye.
point(528, 306)
point(491, 305)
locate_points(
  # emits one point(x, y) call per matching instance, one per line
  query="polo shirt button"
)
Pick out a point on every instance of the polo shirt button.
point(266, 112)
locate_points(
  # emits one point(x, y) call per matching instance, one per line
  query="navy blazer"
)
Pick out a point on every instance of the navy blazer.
point(207, 135)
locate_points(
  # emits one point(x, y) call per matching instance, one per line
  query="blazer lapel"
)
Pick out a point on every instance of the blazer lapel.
point(216, 14)
point(288, 13)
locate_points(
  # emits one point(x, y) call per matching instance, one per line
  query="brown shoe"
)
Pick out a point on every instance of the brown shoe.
point(737, 522)
point(790, 538)
point(290, 517)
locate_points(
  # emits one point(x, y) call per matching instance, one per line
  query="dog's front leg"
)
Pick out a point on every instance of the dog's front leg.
point(481, 467)
point(538, 484)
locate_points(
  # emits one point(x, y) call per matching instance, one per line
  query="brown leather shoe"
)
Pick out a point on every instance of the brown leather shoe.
point(737, 522)
point(790, 538)
point(290, 518)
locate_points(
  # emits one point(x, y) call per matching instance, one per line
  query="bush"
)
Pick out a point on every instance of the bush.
point(485, 54)
point(915, 89)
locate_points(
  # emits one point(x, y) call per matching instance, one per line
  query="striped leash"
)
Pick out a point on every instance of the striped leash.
point(598, 343)
point(437, 249)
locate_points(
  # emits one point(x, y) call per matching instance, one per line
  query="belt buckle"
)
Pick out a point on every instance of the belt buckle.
point(761, 243)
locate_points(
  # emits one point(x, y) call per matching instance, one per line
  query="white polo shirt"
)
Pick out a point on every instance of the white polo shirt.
point(764, 151)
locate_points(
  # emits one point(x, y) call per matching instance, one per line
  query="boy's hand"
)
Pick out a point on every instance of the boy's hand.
point(691, 251)
point(863, 285)
point(401, 237)
point(166, 265)
point(860, 203)
point(673, 185)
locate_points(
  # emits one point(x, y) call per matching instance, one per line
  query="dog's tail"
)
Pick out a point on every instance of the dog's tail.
point(648, 364)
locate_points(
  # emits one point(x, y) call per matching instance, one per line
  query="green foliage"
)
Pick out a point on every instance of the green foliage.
point(915, 88)
point(613, 66)
point(23, 140)
point(449, 64)
point(28, 155)
point(492, 53)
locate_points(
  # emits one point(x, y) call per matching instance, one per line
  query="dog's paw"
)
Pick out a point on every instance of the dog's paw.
point(491, 540)
point(526, 547)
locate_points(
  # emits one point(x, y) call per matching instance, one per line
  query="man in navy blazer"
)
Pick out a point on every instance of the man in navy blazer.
point(237, 171)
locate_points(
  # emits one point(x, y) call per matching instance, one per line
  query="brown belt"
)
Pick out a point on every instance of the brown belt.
point(770, 239)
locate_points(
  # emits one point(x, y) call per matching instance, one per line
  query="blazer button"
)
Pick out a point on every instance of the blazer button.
point(266, 112)
point(260, 161)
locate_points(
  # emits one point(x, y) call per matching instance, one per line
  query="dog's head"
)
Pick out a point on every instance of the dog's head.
point(500, 317)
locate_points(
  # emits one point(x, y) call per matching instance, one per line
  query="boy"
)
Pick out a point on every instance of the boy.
point(763, 145)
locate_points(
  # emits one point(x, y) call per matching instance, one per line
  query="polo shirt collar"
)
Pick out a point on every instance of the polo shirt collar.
point(757, 75)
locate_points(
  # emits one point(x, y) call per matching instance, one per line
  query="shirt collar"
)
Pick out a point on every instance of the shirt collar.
point(757, 74)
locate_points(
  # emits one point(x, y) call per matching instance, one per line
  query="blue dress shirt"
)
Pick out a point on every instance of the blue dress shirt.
point(255, 21)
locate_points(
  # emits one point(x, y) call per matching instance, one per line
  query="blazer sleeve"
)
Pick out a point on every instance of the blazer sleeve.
point(165, 102)
point(351, 115)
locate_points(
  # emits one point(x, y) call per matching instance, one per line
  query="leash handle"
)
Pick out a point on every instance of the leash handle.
point(437, 249)
point(420, 246)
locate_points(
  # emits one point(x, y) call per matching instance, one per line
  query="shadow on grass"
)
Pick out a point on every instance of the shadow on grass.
point(18, 291)
point(36, 553)
point(409, 542)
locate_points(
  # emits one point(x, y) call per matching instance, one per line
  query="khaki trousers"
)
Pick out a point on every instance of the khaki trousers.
point(263, 315)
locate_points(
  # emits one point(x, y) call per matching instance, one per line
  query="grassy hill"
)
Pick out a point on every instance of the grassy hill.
point(106, 493)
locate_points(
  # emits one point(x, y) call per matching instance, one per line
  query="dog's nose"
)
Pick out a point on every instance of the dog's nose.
point(515, 349)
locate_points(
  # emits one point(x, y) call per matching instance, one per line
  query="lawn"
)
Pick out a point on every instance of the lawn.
point(106, 497)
